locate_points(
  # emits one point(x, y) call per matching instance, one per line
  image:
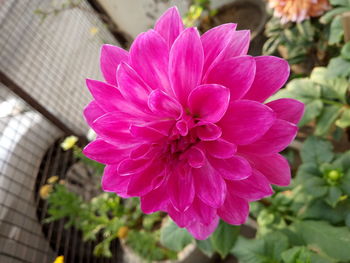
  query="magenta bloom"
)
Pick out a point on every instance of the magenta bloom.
point(182, 124)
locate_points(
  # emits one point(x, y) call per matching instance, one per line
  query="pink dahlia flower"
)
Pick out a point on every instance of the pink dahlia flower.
point(181, 123)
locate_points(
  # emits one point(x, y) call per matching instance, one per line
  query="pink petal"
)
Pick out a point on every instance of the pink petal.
point(181, 188)
point(162, 104)
point(237, 46)
point(220, 148)
point(275, 168)
point(108, 97)
point(146, 133)
point(210, 187)
point(103, 152)
point(114, 129)
point(195, 157)
point(287, 109)
point(271, 74)
point(112, 182)
point(170, 25)
point(252, 188)
point(246, 121)
point(156, 200)
point(208, 131)
point(186, 64)
point(203, 213)
point(235, 210)
point(182, 127)
point(149, 56)
point(182, 219)
point(92, 111)
point(209, 102)
point(131, 166)
point(214, 41)
point(146, 180)
point(111, 57)
point(236, 74)
point(234, 168)
point(276, 139)
point(133, 88)
point(201, 231)
point(140, 151)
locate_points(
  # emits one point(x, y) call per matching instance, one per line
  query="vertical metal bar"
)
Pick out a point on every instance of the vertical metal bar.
point(61, 225)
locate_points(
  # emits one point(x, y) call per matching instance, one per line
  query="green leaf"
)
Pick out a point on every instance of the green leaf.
point(307, 30)
point(224, 238)
point(270, 46)
point(316, 187)
point(332, 88)
point(327, 117)
point(304, 89)
point(251, 251)
point(333, 196)
point(326, 239)
point(266, 250)
point(347, 220)
point(318, 75)
point(338, 67)
point(319, 210)
point(340, 2)
point(325, 19)
point(346, 182)
point(316, 150)
point(344, 120)
point(174, 237)
point(313, 109)
point(275, 244)
point(336, 31)
point(307, 92)
point(205, 246)
point(309, 169)
point(343, 161)
point(345, 51)
point(296, 254)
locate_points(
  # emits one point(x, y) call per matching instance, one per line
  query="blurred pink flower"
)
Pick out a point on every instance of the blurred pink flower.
point(181, 123)
point(298, 10)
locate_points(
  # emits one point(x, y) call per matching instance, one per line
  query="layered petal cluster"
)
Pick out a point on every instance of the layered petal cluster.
point(181, 123)
point(298, 10)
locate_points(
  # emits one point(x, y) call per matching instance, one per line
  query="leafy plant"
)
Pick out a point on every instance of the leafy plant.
point(310, 221)
point(107, 217)
point(301, 242)
point(221, 241)
point(340, 66)
point(324, 180)
point(304, 42)
point(333, 18)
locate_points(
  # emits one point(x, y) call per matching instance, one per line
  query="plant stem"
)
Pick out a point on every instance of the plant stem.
point(326, 101)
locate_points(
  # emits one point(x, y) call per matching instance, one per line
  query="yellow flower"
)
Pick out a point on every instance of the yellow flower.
point(123, 232)
point(52, 179)
point(69, 142)
point(45, 191)
point(288, 193)
point(62, 181)
point(94, 30)
point(193, 14)
point(298, 10)
point(59, 259)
